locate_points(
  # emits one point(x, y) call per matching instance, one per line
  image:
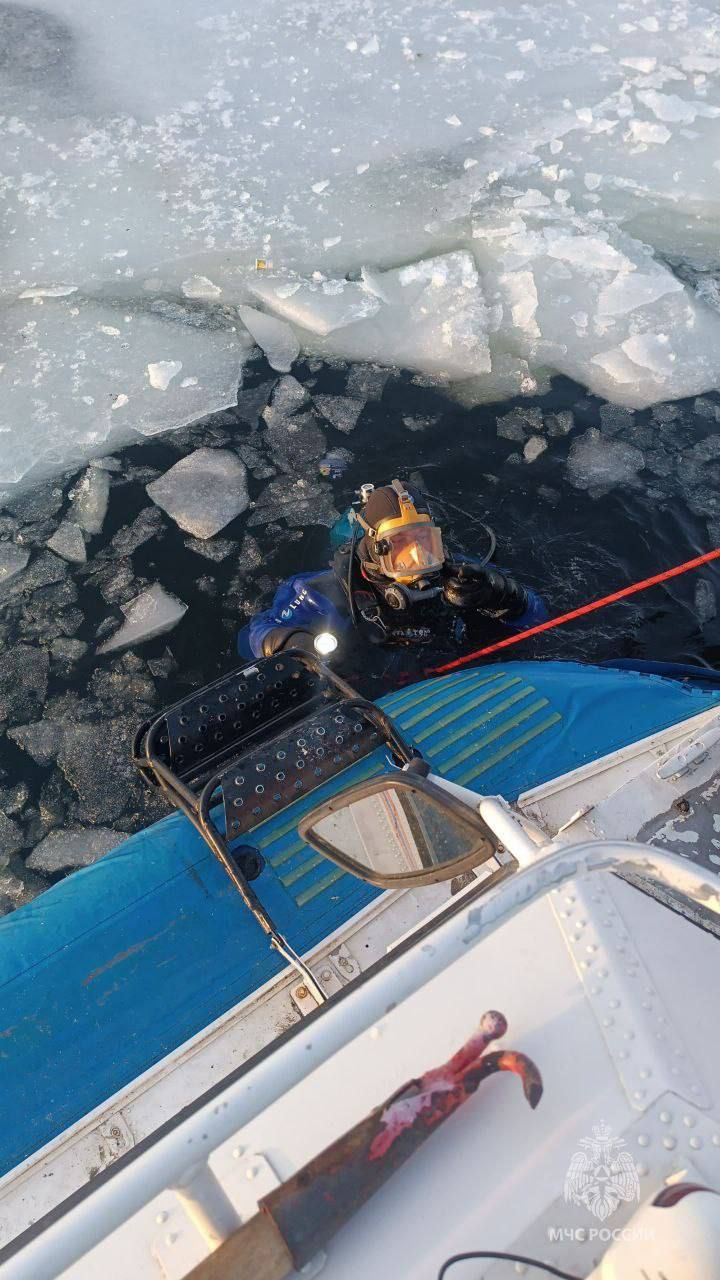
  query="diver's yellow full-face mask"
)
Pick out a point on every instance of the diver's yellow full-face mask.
point(409, 545)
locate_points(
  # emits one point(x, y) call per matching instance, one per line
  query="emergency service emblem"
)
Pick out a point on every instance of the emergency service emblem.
point(601, 1175)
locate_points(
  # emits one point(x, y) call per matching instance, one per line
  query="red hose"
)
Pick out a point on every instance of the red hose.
point(578, 613)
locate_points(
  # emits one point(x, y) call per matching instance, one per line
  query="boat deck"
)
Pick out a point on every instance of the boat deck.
point(128, 959)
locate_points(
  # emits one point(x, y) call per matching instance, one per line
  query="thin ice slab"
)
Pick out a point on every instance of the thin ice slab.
point(72, 848)
point(68, 542)
point(90, 500)
point(274, 336)
point(203, 492)
point(149, 615)
point(13, 560)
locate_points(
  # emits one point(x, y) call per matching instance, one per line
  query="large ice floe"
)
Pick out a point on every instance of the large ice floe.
point(486, 195)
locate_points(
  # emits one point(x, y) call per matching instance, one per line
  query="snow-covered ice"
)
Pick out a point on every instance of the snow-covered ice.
point(410, 185)
point(150, 614)
point(203, 491)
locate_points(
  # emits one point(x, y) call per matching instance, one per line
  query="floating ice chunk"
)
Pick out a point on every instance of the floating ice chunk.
point(295, 441)
point(366, 382)
point(288, 397)
point(217, 550)
point(68, 542)
point(49, 291)
point(147, 616)
point(643, 65)
point(203, 491)
point(320, 306)
point(274, 336)
point(13, 560)
point(161, 374)
point(705, 601)
point(71, 848)
point(90, 500)
point(674, 110)
point(532, 199)
point(65, 651)
point(145, 526)
point(519, 288)
point(200, 287)
point(299, 502)
point(632, 289)
point(651, 351)
point(23, 683)
point(341, 412)
point(596, 462)
point(588, 252)
point(40, 740)
point(534, 447)
point(644, 131)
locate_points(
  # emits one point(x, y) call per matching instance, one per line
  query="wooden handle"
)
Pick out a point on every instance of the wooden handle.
point(256, 1251)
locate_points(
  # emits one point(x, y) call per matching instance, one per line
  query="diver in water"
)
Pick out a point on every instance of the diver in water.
point(396, 583)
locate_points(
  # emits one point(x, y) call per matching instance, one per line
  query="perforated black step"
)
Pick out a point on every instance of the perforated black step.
point(220, 719)
point(292, 765)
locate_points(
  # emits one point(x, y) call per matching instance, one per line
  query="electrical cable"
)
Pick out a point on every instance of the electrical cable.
point(504, 1257)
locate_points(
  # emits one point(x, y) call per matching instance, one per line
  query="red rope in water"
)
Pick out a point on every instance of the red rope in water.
point(578, 613)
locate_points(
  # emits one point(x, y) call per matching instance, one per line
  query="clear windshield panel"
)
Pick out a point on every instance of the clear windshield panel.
point(414, 549)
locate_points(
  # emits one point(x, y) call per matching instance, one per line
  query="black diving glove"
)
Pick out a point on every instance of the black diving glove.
point(469, 585)
point(287, 638)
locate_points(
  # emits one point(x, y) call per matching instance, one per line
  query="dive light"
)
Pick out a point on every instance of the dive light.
point(325, 643)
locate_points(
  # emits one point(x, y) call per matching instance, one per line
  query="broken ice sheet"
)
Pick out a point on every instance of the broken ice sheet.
point(104, 130)
point(318, 305)
point(203, 491)
point(433, 318)
point(80, 378)
point(148, 615)
point(273, 336)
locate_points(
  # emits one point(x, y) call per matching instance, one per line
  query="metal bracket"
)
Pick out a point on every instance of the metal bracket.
point(689, 757)
point(332, 974)
point(245, 1177)
point(114, 1138)
point(178, 1246)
